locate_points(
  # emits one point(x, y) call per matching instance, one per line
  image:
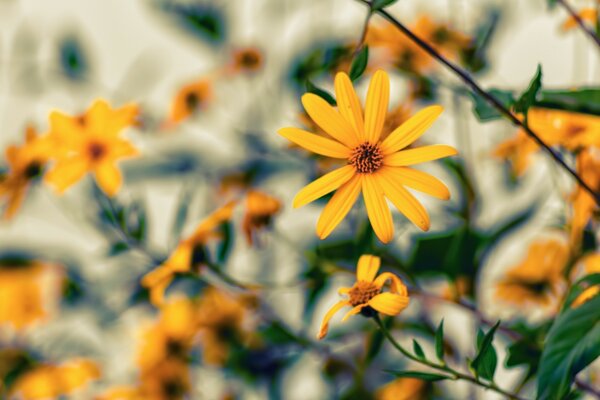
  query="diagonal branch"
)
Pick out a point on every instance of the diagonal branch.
point(491, 99)
point(588, 31)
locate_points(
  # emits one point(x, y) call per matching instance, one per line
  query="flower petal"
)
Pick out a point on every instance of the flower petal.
point(421, 181)
point(325, 184)
point(354, 311)
point(405, 202)
point(389, 303)
point(315, 143)
point(378, 97)
point(108, 178)
point(377, 208)
point(325, 324)
point(339, 205)
point(348, 103)
point(330, 120)
point(397, 286)
point(344, 290)
point(66, 173)
point(419, 155)
point(411, 130)
point(367, 267)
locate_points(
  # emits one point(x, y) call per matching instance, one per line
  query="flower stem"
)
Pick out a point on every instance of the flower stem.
point(580, 22)
point(491, 99)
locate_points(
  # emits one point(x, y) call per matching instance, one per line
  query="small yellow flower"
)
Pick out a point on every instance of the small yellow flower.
point(25, 164)
point(584, 205)
point(589, 15)
point(190, 99)
point(188, 256)
point(122, 393)
point(91, 143)
point(378, 168)
point(249, 59)
point(170, 380)
point(260, 209)
point(367, 293)
point(539, 278)
point(403, 389)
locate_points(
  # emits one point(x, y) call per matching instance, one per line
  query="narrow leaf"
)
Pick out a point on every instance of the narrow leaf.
point(311, 88)
point(418, 350)
point(424, 376)
point(359, 64)
point(380, 4)
point(439, 341)
point(485, 362)
point(528, 98)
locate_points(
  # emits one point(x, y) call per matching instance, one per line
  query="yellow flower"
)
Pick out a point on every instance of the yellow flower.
point(28, 292)
point(189, 99)
point(589, 15)
point(591, 265)
point(584, 205)
point(47, 381)
point(403, 389)
point(170, 380)
point(249, 59)
point(188, 256)
point(260, 209)
point(539, 278)
point(91, 143)
point(377, 167)
point(25, 164)
point(122, 393)
point(366, 294)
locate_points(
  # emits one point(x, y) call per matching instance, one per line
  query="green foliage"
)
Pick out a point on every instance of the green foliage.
point(381, 4)
point(583, 100)
point(311, 88)
point(529, 96)
point(118, 248)
point(474, 57)
point(73, 60)
point(226, 244)
point(202, 21)
point(484, 111)
point(424, 376)
point(418, 350)
point(486, 360)
point(359, 64)
point(439, 341)
point(317, 61)
point(579, 287)
point(572, 344)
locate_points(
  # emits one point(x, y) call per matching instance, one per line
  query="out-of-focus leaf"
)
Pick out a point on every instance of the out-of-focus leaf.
point(73, 60)
point(380, 4)
point(317, 283)
point(118, 248)
point(484, 111)
point(439, 341)
point(424, 88)
point(359, 64)
point(572, 344)
point(474, 57)
point(579, 287)
point(583, 100)
point(203, 21)
point(181, 215)
point(320, 59)
point(311, 88)
point(226, 244)
point(486, 360)
point(551, 3)
point(276, 333)
point(524, 352)
point(374, 345)
point(424, 376)
point(529, 97)
point(418, 350)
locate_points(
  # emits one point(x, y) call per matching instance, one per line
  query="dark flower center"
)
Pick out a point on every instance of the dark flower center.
point(249, 59)
point(96, 151)
point(192, 101)
point(366, 158)
point(362, 292)
point(33, 170)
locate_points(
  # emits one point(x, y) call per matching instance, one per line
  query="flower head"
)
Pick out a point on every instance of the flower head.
point(249, 59)
point(379, 168)
point(190, 99)
point(589, 15)
point(366, 294)
point(91, 143)
point(260, 209)
point(404, 389)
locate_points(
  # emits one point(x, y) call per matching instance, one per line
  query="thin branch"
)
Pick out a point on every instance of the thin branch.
point(586, 29)
point(491, 99)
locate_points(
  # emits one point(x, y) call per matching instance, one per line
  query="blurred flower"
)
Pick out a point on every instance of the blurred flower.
point(91, 143)
point(25, 164)
point(366, 294)
point(403, 389)
point(260, 209)
point(377, 167)
point(28, 291)
point(189, 255)
point(249, 59)
point(189, 99)
point(591, 265)
point(170, 380)
point(47, 381)
point(122, 393)
point(538, 279)
point(222, 320)
point(589, 15)
point(584, 205)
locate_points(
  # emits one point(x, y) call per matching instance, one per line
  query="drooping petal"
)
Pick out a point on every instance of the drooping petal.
point(348, 103)
point(377, 208)
point(367, 267)
point(411, 130)
point(419, 155)
point(330, 120)
point(376, 107)
point(325, 324)
point(405, 202)
point(354, 311)
point(389, 303)
point(108, 178)
point(325, 184)
point(339, 205)
point(66, 173)
point(396, 284)
point(315, 143)
point(421, 181)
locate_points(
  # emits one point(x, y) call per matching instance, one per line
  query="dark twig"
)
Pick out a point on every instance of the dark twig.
point(588, 31)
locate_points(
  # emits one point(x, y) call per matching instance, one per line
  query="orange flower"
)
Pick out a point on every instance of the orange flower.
point(260, 209)
point(591, 265)
point(189, 99)
point(170, 380)
point(584, 205)
point(91, 143)
point(122, 393)
point(248, 59)
point(366, 294)
point(25, 163)
point(589, 15)
point(403, 389)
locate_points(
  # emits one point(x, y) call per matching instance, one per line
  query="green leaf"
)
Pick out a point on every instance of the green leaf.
point(439, 341)
point(73, 60)
point(424, 376)
point(485, 362)
point(380, 4)
point(528, 98)
point(226, 244)
point(311, 88)
point(118, 248)
point(418, 350)
point(571, 345)
point(359, 64)
point(374, 345)
point(551, 3)
point(579, 287)
point(484, 111)
point(584, 100)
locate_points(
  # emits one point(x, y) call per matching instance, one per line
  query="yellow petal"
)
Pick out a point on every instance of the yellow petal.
point(377, 103)
point(330, 120)
point(325, 324)
point(109, 178)
point(367, 267)
point(354, 311)
point(325, 184)
point(411, 130)
point(122, 148)
point(389, 303)
point(15, 199)
point(348, 103)
point(339, 205)
point(396, 287)
point(344, 290)
point(315, 143)
point(66, 173)
point(377, 208)
point(405, 202)
point(421, 181)
point(98, 116)
point(419, 155)
point(65, 128)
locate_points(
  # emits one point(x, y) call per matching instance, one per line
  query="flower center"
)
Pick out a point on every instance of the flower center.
point(362, 292)
point(249, 59)
point(96, 151)
point(366, 158)
point(33, 170)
